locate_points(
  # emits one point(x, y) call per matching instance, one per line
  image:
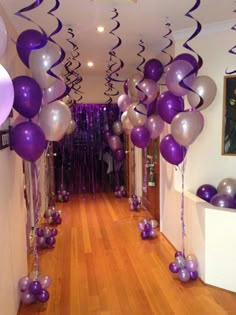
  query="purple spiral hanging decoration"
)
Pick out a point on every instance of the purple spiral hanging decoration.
point(73, 78)
point(139, 54)
point(111, 90)
point(186, 45)
point(169, 44)
point(232, 51)
point(119, 62)
point(28, 8)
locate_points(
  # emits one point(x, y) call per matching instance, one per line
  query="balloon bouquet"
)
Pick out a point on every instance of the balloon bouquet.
point(224, 196)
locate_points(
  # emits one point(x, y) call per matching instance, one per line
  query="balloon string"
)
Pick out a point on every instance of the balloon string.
point(186, 45)
point(232, 51)
point(30, 7)
point(145, 183)
point(141, 44)
point(183, 233)
point(112, 52)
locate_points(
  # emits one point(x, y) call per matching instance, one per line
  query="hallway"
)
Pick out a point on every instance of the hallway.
point(101, 266)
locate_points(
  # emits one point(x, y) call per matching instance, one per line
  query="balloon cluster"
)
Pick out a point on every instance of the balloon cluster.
point(135, 202)
point(34, 290)
point(147, 229)
point(53, 216)
point(120, 192)
point(45, 237)
point(223, 196)
point(63, 195)
point(186, 268)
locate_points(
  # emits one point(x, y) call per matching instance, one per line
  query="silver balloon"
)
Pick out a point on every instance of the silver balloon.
point(186, 127)
point(41, 60)
point(54, 119)
point(126, 123)
point(115, 143)
point(54, 91)
point(132, 85)
point(68, 100)
point(117, 128)
point(71, 128)
point(205, 87)
point(153, 223)
point(137, 114)
point(227, 186)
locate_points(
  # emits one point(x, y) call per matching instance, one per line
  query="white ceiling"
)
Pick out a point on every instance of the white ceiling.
point(139, 20)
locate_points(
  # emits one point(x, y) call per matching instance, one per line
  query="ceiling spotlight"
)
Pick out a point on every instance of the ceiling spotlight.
point(90, 64)
point(100, 29)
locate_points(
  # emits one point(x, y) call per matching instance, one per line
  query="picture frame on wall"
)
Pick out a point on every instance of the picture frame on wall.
point(229, 116)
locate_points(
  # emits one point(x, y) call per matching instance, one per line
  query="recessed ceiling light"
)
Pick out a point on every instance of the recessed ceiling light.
point(90, 64)
point(100, 29)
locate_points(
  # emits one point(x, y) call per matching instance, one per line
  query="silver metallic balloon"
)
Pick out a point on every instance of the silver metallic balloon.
point(41, 60)
point(132, 85)
point(71, 127)
point(117, 128)
point(186, 127)
point(126, 123)
point(137, 114)
point(227, 186)
point(54, 119)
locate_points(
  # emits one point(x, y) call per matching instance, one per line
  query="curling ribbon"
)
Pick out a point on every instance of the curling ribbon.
point(77, 79)
point(186, 45)
point(232, 51)
point(30, 7)
point(112, 52)
point(141, 44)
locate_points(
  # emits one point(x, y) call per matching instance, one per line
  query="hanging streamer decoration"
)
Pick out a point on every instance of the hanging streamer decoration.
point(139, 54)
point(111, 90)
point(73, 78)
point(167, 36)
point(187, 46)
point(232, 51)
point(118, 61)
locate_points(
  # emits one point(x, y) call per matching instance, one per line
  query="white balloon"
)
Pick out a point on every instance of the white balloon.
point(7, 94)
point(3, 37)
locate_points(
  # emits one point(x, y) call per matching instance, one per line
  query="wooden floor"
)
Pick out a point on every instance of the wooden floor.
point(100, 266)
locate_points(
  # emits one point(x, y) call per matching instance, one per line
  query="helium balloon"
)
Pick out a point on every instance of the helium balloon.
point(119, 154)
point(171, 151)
point(205, 88)
point(186, 127)
point(126, 123)
point(41, 61)
point(155, 126)
point(178, 77)
point(188, 58)
point(132, 85)
point(137, 114)
point(28, 41)
point(54, 92)
point(153, 69)
point(3, 37)
point(126, 86)
point(140, 136)
point(222, 200)
point(147, 91)
point(42, 296)
point(27, 298)
point(28, 141)
point(152, 108)
point(123, 102)
point(71, 127)
point(54, 119)
point(28, 96)
point(168, 105)
point(227, 186)
point(115, 143)
point(7, 94)
point(117, 128)
point(206, 192)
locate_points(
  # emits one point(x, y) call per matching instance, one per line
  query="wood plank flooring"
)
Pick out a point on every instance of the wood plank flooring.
point(100, 266)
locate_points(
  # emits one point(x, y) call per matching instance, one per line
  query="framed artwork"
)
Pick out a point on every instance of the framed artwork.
point(229, 116)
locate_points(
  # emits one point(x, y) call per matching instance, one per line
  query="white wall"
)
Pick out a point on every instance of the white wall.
point(205, 164)
point(13, 262)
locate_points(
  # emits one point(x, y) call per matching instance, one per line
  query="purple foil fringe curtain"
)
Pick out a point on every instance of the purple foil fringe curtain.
point(84, 162)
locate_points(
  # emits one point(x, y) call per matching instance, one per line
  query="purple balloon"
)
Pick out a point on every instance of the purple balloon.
point(189, 58)
point(140, 136)
point(206, 192)
point(184, 275)
point(40, 232)
point(42, 296)
point(222, 200)
point(173, 267)
point(23, 283)
point(27, 96)
point(153, 69)
point(168, 105)
point(193, 275)
point(119, 154)
point(35, 287)
point(147, 227)
point(50, 241)
point(27, 298)
point(144, 235)
point(152, 108)
point(179, 253)
point(28, 41)
point(126, 87)
point(28, 141)
point(56, 215)
point(171, 151)
point(57, 221)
